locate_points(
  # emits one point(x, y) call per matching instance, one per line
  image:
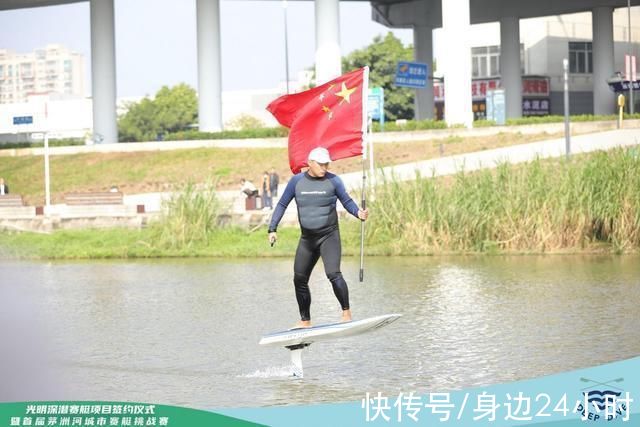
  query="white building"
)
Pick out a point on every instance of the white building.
point(71, 117)
point(60, 116)
point(52, 70)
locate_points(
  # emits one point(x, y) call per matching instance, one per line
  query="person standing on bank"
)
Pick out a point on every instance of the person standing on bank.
point(266, 191)
point(316, 192)
point(4, 188)
point(274, 180)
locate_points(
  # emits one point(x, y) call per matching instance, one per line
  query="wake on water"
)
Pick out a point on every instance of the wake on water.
point(271, 372)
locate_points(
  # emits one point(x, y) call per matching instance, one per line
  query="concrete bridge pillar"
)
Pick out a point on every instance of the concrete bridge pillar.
point(423, 52)
point(457, 63)
point(209, 66)
point(603, 61)
point(510, 68)
point(103, 71)
point(328, 59)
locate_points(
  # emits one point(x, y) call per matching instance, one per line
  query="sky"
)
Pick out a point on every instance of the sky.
point(156, 39)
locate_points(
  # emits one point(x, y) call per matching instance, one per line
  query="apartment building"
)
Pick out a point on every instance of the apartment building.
point(51, 70)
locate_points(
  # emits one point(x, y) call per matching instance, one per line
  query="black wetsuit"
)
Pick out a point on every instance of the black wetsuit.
point(316, 200)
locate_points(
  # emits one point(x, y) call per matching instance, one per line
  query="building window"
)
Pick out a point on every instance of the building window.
point(52, 67)
point(580, 57)
point(26, 70)
point(485, 61)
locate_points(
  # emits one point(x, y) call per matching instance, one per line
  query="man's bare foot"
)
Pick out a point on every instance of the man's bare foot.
point(302, 324)
point(346, 316)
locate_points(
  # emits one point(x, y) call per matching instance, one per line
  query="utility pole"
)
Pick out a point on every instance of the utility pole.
point(286, 44)
point(567, 130)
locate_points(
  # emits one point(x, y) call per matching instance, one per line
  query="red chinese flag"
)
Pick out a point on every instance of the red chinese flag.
point(332, 115)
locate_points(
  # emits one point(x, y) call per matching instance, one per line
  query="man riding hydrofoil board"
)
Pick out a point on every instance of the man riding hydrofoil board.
point(327, 122)
point(316, 192)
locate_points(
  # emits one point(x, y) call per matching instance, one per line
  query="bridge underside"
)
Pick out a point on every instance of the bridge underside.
point(22, 4)
point(429, 12)
point(481, 11)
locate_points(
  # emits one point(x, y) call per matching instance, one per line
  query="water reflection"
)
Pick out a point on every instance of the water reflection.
point(185, 332)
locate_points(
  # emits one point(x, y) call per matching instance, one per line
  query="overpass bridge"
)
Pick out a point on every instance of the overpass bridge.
point(423, 16)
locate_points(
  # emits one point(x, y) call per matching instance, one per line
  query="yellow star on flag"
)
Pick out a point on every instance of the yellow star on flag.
point(345, 93)
point(328, 111)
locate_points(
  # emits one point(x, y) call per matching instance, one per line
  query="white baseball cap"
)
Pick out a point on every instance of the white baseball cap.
point(320, 155)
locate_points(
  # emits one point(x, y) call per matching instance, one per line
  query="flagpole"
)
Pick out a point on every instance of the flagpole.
point(364, 206)
point(365, 137)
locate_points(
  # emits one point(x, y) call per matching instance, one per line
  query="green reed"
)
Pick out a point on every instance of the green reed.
point(588, 202)
point(189, 217)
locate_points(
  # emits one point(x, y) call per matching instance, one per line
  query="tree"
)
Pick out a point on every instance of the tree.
point(171, 110)
point(382, 57)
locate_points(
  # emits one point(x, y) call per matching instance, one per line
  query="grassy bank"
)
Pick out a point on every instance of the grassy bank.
point(143, 172)
point(590, 203)
point(121, 243)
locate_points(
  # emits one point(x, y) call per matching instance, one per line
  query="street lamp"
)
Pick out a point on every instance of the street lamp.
point(286, 44)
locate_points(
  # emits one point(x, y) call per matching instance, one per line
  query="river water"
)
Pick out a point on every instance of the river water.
point(186, 332)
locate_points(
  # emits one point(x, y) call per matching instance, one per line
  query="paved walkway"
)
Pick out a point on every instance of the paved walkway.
point(513, 154)
point(378, 138)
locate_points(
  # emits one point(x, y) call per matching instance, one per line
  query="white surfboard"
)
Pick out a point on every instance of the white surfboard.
point(299, 338)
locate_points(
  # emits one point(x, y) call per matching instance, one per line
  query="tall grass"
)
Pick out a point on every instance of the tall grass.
point(189, 217)
point(542, 206)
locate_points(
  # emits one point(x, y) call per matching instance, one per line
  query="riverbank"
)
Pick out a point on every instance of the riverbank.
point(148, 168)
point(587, 204)
point(232, 243)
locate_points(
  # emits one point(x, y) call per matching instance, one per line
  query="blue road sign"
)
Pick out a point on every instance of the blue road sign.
point(623, 85)
point(495, 106)
point(376, 103)
point(22, 120)
point(412, 74)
